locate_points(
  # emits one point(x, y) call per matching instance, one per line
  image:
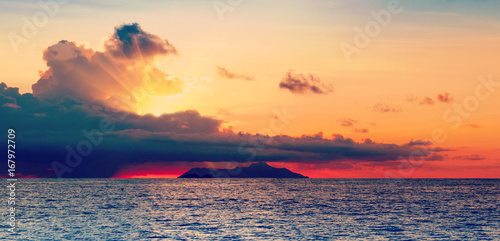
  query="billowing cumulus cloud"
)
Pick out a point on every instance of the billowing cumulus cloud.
point(123, 72)
point(303, 84)
point(223, 72)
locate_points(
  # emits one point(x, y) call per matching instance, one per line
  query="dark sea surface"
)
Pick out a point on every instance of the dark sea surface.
point(255, 209)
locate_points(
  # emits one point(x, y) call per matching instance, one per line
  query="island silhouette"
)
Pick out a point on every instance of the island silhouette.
point(256, 170)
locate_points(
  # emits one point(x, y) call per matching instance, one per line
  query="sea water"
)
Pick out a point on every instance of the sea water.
point(254, 209)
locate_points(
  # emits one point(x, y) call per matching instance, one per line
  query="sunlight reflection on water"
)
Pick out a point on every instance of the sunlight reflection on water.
point(212, 209)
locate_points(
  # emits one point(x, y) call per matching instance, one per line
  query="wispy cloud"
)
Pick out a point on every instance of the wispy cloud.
point(426, 101)
point(347, 122)
point(385, 108)
point(419, 143)
point(472, 157)
point(223, 72)
point(223, 112)
point(360, 130)
point(411, 98)
point(303, 84)
point(445, 98)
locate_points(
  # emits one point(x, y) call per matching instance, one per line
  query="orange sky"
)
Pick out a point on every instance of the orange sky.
point(427, 49)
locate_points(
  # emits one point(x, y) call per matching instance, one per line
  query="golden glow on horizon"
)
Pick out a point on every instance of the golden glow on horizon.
point(150, 176)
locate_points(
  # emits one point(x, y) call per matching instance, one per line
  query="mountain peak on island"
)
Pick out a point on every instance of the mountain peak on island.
point(260, 165)
point(255, 170)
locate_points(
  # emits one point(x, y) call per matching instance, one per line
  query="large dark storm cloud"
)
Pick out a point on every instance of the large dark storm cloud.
point(50, 132)
point(80, 120)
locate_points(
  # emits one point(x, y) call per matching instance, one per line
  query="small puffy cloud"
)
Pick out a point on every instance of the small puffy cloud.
point(131, 42)
point(472, 157)
point(426, 101)
point(475, 126)
point(445, 98)
point(303, 84)
point(419, 143)
point(223, 72)
point(347, 122)
point(360, 130)
point(384, 108)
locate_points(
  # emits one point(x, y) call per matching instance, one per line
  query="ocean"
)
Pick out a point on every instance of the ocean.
point(255, 209)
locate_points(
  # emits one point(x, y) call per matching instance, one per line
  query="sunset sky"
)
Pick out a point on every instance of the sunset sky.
point(195, 79)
